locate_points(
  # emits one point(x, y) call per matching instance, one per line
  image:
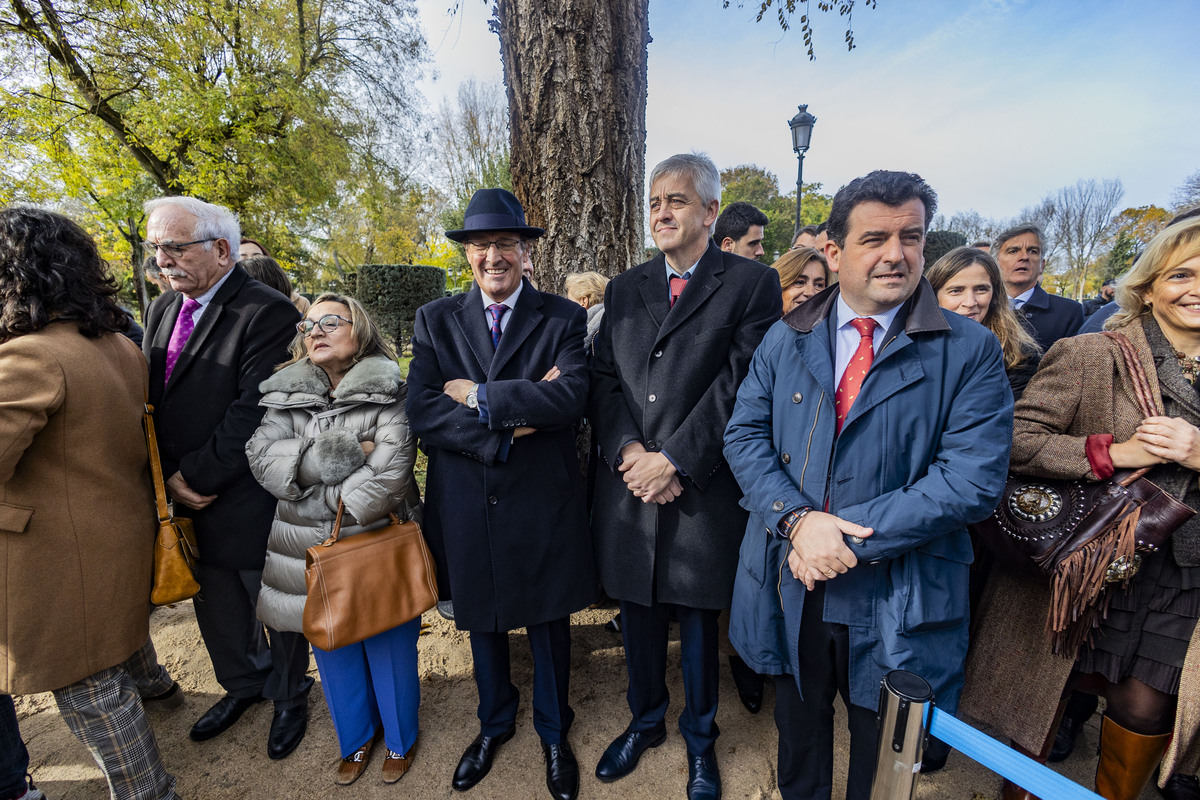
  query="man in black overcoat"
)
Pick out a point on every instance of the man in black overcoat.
point(205, 367)
point(1020, 252)
point(497, 380)
point(676, 340)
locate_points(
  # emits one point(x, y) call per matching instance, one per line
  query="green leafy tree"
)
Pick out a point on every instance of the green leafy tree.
point(276, 109)
point(758, 187)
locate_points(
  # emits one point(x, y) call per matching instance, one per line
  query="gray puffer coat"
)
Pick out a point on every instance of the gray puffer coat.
point(307, 453)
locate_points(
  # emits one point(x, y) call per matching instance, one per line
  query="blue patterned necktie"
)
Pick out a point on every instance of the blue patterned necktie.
point(497, 311)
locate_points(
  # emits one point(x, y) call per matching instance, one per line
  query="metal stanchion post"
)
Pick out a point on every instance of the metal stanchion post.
point(904, 701)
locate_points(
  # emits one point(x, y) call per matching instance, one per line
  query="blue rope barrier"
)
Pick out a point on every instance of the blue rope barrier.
point(1021, 770)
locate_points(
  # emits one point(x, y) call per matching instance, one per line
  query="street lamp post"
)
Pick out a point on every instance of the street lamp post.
point(801, 125)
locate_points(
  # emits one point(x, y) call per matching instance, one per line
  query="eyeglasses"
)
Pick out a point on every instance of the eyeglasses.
point(173, 250)
point(503, 245)
point(329, 323)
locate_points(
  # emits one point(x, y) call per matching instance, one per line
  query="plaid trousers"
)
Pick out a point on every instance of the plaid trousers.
point(104, 711)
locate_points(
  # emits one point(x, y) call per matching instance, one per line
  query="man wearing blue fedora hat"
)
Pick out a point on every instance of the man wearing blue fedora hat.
point(497, 380)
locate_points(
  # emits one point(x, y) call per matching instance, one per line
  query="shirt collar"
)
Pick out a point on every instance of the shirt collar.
point(207, 297)
point(845, 315)
point(1023, 297)
point(510, 301)
point(685, 274)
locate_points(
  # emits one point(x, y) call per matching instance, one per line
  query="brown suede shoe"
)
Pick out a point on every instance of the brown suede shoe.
point(353, 765)
point(395, 765)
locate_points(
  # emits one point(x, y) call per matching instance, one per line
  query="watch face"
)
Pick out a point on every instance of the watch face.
point(472, 400)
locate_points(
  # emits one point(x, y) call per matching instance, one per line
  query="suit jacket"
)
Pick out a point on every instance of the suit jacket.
point(508, 530)
point(209, 409)
point(1051, 317)
point(667, 377)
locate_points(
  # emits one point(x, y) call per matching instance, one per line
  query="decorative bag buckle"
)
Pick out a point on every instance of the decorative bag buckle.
point(1123, 569)
point(1035, 503)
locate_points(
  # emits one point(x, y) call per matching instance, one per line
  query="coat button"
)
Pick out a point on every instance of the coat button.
point(777, 506)
point(492, 500)
point(658, 353)
point(652, 398)
point(651, 445)
point(797, 397)
point(786, 458)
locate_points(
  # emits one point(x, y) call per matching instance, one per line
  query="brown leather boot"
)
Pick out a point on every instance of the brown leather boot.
point(1127, 760)
point(1013, 792)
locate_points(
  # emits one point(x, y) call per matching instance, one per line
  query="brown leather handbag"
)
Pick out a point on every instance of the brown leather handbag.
point(366, 584)
point(1084, 535)
point(175, 550)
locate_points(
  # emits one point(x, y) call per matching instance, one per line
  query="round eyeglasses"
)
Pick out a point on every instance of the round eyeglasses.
point(329, 323)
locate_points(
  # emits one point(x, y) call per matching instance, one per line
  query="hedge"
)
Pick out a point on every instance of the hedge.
point(392, 293)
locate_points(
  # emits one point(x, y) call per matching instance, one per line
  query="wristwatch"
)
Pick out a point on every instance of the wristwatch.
point(473, 397)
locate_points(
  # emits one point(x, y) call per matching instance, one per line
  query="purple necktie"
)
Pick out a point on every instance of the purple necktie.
point(497, 311)
point(184, 326)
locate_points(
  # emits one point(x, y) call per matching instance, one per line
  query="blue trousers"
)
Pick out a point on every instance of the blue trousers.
point(371, 684)
point(644, 629)
point(14, 758)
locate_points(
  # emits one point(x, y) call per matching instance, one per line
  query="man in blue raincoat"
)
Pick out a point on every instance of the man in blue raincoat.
point(871, 429)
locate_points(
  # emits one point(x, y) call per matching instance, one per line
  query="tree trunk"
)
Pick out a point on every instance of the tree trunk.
point(575, 73)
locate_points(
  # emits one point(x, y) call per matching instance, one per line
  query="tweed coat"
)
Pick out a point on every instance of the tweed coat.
point(77, 518)
point(299, 455)
point(1050, 317)
point(667, 377)
point(504, 517)
point(209, 409)
point(1014, 682)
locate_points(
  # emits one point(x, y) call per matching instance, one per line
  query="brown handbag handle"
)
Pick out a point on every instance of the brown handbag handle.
point(1141, 389)
point(337, 524)
point(160, 489)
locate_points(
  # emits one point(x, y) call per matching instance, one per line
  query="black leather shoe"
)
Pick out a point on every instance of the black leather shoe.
point(562, 771)
point(476, 760)
point(622, 755)
point(221, 716)
point(1181, 787)
point(748, 682)
point(287, 730)
point(1064, 739)
point(704, 779)
point(935, 756)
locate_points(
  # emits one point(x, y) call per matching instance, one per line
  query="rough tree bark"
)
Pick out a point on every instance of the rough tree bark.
point(575, 73)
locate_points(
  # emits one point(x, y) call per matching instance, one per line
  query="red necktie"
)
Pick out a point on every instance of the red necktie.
point(856, 370)
point(677, 287)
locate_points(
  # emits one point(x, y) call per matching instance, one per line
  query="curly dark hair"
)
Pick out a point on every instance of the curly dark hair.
point(50, 269)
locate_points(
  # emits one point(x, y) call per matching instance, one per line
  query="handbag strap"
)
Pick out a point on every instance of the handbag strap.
point(160, 489)
point(337, 523)
point(1147, 402)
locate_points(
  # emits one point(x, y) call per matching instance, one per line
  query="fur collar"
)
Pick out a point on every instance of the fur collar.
point(372, 380)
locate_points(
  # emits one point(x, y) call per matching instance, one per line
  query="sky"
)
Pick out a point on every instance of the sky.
point(996, 103)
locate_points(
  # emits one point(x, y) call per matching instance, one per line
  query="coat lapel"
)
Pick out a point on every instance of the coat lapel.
point(704, 281)
point(206, 324)
point(526, 317)
point(470, 317)
point(655, 293)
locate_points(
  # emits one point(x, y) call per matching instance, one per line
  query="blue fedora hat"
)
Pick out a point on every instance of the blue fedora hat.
point(494, 210)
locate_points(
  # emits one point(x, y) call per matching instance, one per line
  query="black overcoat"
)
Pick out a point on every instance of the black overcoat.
point(508, 531)
point(1051, 317)
point(209, 410)
point(667, 377)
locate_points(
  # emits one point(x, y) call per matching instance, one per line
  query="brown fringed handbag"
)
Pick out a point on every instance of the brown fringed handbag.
point(1084, 535)
point(175, 549)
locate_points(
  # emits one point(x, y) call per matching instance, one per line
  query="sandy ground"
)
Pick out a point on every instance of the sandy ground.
point(235, 765)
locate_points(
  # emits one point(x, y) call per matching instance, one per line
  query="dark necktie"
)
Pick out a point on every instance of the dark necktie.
point(497, 311)
point(184, 325)
point(677, 287)
point(856, 370)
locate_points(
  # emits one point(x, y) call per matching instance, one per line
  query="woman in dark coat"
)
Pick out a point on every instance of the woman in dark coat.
point(1080, 420)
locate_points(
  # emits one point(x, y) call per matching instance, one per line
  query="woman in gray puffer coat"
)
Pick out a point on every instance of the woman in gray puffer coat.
point(336, 427)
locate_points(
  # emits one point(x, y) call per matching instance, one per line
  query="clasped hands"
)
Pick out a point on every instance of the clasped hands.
point(1159, 440)
point(186, 495)
point(819, 551)
point(458, 389)
point(650, 476)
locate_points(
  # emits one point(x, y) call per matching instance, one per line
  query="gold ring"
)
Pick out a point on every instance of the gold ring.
point(829, 572)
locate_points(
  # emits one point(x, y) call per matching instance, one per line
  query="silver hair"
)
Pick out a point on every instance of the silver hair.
point(212, 221)
point(698, 168)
